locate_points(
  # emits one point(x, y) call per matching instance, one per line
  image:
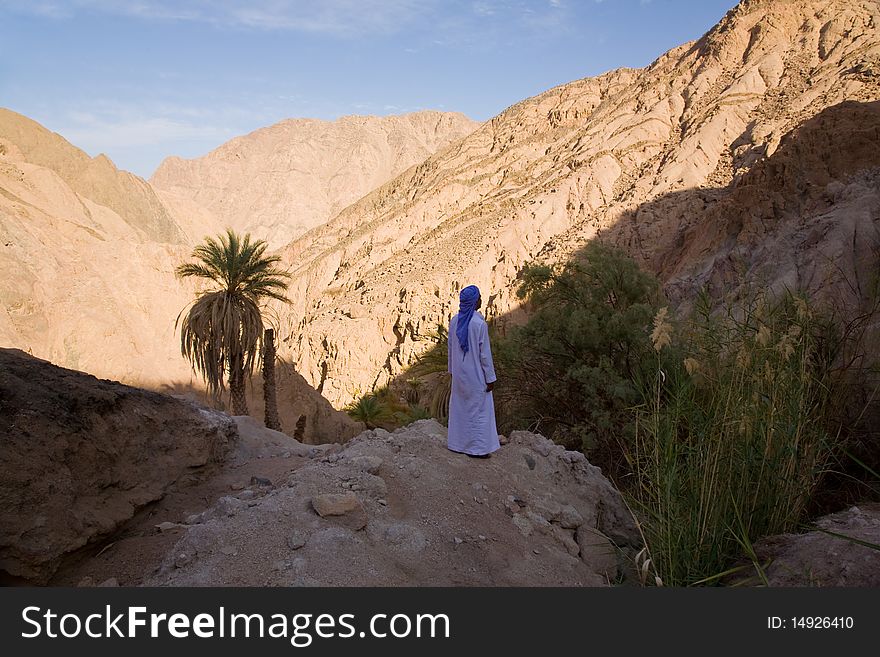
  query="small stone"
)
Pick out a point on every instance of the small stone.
point(297, 539)
point(530, 461)
point(369, 464)
point(246, 495)
point(181, 560)
point(536, 551)
point(194, 519)
point(481, 537)
point(457, 540)
point(167, 526)
point(110, 582)
point(346, 506)
point(236, 486)
point(383, 502)
point(229, 550)
point(570, 518)
point(260, 481)
point(86, 582)
point(502, 439)
point(335, 504)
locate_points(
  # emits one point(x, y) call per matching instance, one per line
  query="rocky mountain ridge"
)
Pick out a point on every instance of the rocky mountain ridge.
point(634, 157)
point(280, 181)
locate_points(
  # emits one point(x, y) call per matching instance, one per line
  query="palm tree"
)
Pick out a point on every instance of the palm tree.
point(222, 332)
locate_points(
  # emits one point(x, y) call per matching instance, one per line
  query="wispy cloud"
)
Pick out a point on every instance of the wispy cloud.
point(337, 17)
point(103, 126)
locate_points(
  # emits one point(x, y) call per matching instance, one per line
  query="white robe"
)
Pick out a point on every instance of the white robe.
point(471, 409)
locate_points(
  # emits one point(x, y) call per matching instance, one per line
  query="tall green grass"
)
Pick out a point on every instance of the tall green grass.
point(733, 434)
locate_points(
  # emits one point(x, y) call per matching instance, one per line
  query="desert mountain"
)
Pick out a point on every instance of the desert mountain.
point(280, 181)
point(87, 258)
point(688, 164)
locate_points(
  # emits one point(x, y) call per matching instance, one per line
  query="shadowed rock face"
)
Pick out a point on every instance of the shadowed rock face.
point(401, 510)
point(80, 456)
point(280, 181)
point(837, 553)
point(635, 157)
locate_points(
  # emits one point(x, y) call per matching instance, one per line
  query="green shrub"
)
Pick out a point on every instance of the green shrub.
point(570, 372)
point(369, 410)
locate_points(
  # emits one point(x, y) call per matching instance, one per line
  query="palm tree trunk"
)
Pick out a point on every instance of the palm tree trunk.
point(236, 386)
point(272, 419)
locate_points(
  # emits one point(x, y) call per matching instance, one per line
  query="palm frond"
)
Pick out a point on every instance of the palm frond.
point(225, 325)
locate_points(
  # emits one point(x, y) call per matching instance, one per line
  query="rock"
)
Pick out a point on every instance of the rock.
point(569, 518)
point(182, 559)
point(597, 551)
point(816, 558)
point(260, 481)
point(110, 582)
point(345, 506)
point(86, 582)
point(334, 504)
point(547, 508)
point(405, 537)
point(229, 550)
point(296, 539)
point(530, 461)
point(81, 456)
point(168, 526)
point(370, 464)
point(371, 485)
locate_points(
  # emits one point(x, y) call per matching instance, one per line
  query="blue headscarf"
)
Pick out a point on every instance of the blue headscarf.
point(468, 304)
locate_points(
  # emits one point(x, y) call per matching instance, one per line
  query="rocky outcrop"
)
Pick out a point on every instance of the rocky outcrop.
point(400, 509)
point(844, 550)
point(80, 456)
point(282, 180)
point(633, 156)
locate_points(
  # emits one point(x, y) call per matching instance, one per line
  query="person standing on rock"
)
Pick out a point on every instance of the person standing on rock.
point(472, 428)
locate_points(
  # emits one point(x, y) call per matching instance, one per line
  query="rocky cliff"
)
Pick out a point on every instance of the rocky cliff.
point(633, 156)
point(80, 456)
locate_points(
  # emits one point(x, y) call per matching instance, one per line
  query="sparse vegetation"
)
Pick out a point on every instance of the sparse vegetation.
point(369, 410)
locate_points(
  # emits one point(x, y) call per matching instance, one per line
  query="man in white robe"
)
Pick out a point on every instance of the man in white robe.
point(472, 428)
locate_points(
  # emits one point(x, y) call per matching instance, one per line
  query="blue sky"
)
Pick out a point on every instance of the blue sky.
point(143, 79)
